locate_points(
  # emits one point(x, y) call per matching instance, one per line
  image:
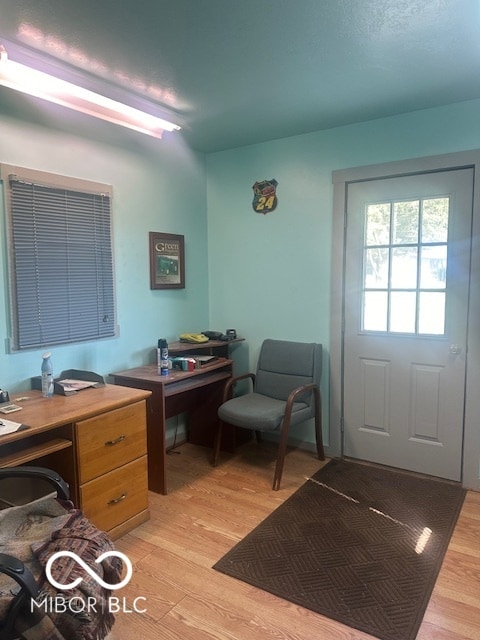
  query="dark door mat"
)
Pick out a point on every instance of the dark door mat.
point(357, 543)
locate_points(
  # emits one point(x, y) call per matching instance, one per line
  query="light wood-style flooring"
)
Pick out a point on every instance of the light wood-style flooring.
point(207, 511)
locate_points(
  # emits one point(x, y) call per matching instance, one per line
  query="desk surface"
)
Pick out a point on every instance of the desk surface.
point(41, 414)
point(73, 435)
point(148, 372)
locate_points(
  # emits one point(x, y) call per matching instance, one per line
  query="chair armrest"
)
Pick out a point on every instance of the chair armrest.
point(14, 568)
point(52, 477)
point(230, 384)
point(299, 391)
point(29, 589)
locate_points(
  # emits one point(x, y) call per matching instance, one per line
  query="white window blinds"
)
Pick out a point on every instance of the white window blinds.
point(61, 264)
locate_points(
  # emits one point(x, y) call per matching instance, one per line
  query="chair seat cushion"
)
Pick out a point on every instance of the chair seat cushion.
point(255, 411)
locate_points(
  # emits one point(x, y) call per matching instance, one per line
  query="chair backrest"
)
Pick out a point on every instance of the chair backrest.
point(284, 366)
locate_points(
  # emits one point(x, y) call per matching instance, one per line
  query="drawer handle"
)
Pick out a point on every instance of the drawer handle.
point(110, 443)
point(117, 500)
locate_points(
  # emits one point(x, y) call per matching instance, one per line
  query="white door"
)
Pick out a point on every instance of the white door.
point(406, 295)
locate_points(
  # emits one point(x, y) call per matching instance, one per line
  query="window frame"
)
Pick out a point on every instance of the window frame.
point(82, 189)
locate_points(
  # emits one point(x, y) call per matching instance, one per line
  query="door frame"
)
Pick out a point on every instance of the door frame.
point(341, 180)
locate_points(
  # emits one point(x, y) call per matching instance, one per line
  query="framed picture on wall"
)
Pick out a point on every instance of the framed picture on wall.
point(167, 261)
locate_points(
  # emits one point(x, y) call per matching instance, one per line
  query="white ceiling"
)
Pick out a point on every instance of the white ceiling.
point(239, 72)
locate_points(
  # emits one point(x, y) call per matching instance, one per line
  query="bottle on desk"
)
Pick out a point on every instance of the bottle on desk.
point(162, 357)
point(47, 376)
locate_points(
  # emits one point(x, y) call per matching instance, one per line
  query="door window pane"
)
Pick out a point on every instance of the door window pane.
point(435, 220)
point(377, 228)
point(433, 270)
point(404, 268)
point(403, 311)
point(405, 222)
point(432, 313)
point(376, 268)
point(375, 309)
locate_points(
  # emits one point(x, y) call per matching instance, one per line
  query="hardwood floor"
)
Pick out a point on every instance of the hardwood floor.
point(207, 511)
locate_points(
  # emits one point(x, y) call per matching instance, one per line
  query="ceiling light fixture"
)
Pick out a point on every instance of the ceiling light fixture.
point(42, 85)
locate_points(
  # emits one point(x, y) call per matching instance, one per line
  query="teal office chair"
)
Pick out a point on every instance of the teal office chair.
point(285, 393)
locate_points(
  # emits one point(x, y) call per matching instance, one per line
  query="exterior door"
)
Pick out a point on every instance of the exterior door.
point(406, 299)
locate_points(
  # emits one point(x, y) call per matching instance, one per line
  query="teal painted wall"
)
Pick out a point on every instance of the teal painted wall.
point(269, 274)
point(158, 185)
point(262, 275)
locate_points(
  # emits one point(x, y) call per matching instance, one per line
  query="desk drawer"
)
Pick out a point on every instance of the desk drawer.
point(110, 440)
point(117, 496)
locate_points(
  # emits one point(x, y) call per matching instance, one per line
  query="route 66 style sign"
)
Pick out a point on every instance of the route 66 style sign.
point(265, 196)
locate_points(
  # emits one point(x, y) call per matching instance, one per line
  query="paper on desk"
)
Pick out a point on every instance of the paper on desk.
point(75, 385)
point(7, 426)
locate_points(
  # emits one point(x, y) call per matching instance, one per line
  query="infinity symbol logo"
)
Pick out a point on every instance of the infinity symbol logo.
point(89, 570)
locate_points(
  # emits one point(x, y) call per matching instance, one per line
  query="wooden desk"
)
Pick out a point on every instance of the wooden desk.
point(96, 440)
point(197, 392)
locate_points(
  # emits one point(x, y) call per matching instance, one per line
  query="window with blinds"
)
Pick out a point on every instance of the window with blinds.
point(60, 259)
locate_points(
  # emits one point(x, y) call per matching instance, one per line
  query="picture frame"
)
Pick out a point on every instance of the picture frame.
point(167, 260)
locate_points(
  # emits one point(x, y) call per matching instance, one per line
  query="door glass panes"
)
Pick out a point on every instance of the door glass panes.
point(375, 310)
point(405, 266)
point(376, 267)
point(433, 267)
point(402, 311)
point(431, 318)
point(435, 220)
point(405, 222)
point(378, 224)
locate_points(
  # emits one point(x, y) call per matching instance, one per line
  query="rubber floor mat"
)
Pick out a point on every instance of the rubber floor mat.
point(357, 543)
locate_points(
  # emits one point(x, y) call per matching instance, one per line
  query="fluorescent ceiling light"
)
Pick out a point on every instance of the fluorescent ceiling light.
point(41, 85)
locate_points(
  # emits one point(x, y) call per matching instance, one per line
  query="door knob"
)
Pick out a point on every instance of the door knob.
point(455, 349)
